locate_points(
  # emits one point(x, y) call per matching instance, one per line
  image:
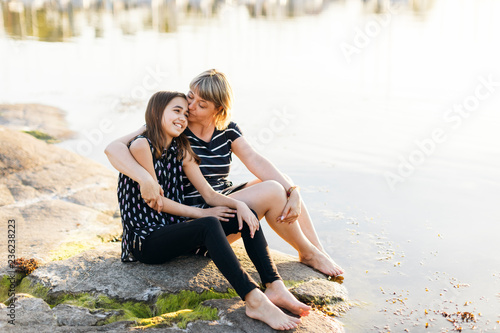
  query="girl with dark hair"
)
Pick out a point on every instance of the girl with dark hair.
point(154, 237)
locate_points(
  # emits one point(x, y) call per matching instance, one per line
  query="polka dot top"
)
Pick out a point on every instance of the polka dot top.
point(138, 219)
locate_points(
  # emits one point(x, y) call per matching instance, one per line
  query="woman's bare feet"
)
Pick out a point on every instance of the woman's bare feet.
point(278, 293)
point(259, 307)
point(322, 262)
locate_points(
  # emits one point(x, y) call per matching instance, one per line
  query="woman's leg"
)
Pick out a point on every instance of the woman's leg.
point(173, 240)
point(268, 199)
point(305, 221)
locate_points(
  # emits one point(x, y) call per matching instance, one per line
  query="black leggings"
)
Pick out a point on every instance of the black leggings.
point(177, 239)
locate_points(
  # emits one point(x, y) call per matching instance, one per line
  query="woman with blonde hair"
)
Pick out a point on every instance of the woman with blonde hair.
point(214, 137)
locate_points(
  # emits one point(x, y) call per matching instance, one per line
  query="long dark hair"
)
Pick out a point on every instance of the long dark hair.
point(154, 130)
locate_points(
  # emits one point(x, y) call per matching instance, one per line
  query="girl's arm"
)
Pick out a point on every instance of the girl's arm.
point(123, 161)
point(141, 152)
point(213, 198)
point(263, 169)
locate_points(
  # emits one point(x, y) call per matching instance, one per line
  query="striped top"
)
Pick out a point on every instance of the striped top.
point(215, 161)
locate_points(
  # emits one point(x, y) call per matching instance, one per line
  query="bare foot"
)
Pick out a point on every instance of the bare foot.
point(323, 263)
point(259, 307)
point(278, 293)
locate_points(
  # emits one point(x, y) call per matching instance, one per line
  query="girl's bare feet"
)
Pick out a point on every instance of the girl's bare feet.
point(259, 307)
point(278, 293)
point(323, 263)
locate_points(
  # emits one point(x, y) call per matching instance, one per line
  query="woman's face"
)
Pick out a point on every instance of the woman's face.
point(200, 110)
point(175, 117)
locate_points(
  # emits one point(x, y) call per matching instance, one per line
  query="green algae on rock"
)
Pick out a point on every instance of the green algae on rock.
point(43, 136)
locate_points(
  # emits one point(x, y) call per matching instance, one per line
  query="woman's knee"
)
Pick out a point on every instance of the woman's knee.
point(255, 213)
point(287, 177)
point(275, 189)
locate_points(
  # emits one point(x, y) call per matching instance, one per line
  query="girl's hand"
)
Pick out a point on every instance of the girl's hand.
point(223, 213)
point(152, 193)
point(245, 214)
point(292, 209)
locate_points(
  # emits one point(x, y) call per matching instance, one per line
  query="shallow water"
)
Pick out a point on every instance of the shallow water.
point(403, 184)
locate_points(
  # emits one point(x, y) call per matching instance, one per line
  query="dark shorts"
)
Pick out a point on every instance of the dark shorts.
point(234, 188)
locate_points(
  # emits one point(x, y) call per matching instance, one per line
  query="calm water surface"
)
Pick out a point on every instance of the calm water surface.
point(387, 118)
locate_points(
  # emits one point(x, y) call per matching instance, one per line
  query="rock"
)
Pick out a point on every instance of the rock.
point(29, 312)
point(116, 327)
point(70, 315)
point(32, 313)
point(213, 326)
point(35, 117)
point(330, 296)
point(100, 270)
point(61, 203)
point(320, 291)
point(232, 314)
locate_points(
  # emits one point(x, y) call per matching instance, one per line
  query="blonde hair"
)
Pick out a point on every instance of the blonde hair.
point(213, 86)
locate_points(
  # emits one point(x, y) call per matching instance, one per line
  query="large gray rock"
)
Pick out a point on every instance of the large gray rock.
point(35, 117)
point(28, 312)
point(61, 202)
point(100, 270)
point(330, 297)
point(232, 315)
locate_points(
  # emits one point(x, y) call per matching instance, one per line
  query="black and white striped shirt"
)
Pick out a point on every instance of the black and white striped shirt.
point(215, 161)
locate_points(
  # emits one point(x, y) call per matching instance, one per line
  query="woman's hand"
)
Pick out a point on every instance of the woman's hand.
point(223, 213)
point(292, 209)
point(246, 215)
point(152, 193)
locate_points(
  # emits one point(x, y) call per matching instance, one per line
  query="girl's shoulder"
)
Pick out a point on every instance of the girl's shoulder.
point(140, 137)
point(140, 142)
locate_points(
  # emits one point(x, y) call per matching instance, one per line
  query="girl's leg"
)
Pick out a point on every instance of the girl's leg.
point(174, 240)
point(256, 248)
point(177, 239)
point(258, 252)
point(268, 199)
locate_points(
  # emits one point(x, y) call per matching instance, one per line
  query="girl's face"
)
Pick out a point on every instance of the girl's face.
point(175, 117)
point(200, 110)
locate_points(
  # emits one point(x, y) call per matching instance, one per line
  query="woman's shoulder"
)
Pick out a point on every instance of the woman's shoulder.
point(234, 129)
